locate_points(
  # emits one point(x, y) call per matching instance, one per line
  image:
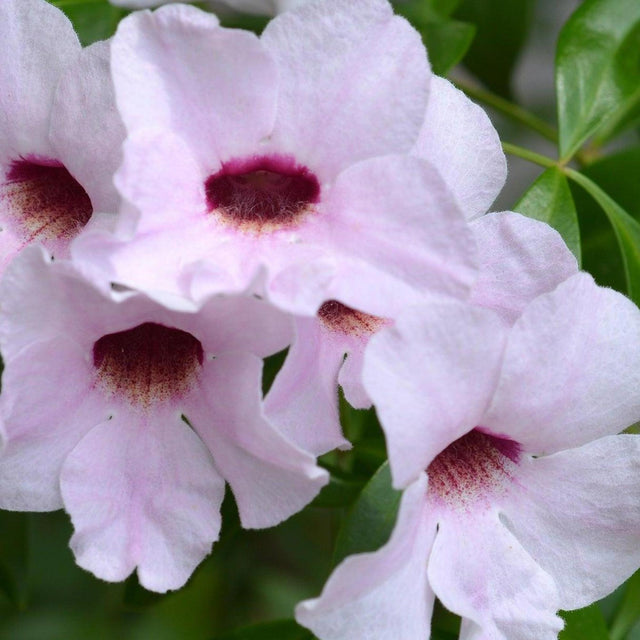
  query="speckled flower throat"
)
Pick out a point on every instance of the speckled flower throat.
point(45, 202)
point(262, 194)
point(147, 364)
point(472, 467)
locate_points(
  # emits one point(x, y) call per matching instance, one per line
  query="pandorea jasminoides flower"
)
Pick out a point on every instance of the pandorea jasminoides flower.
point(501, 436)
point(132, 416)
point(60, 135)
point(263, 7)
point(519, 259)
point(277, 161)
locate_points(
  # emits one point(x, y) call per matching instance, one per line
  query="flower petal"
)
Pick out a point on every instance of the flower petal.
point(178, 70)
point(382, 595)
point(458, 138)
point(142, 491)
point(37, 41)
point(43, 420)
point(330, 113)
point(578, 515)
point(86, 129)
point(431, 377)
point(303, 400)
point(479, 570)
point(520, 259)
point(571, 369)
point(270, 477)
point(396, 215)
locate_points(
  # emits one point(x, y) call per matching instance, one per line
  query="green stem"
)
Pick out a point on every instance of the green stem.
point(509, 109)
point(531, 156)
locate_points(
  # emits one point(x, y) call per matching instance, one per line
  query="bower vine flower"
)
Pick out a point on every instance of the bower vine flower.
point(60, 134)
point(263, 7)
point(277, 163)
point(500, 436)
point(519, 259)
point(132, 415)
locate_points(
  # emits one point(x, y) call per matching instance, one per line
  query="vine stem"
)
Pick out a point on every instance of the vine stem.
point(531, 156)
point(509, 109)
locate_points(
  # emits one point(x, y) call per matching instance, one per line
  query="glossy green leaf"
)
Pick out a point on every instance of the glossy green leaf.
point(598, 71)
point(340, 492)
point(371, 519)
point(549, 199)
point(628, 613)
point(280, 630)
point(502, 29)
point(617, 176)
point(446, 40)
point(93, 20)
point(626, 229)
point(14, 556)
point(584, 624)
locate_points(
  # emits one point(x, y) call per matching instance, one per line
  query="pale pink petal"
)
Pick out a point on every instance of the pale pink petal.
point(86, 129)
point(142, 491)
point(479, 570)
point(395, 215)
point(458, 138)
point(270, 477)
point(47, 407)
point(177, 70)
point(303, 400)
point(520, 259)
point(350, 377)
point(577, 513)
point(571, 370)
point(331, 112)
point(382, 595)
point(431, 377)
point(37, 41)
point(236, 323)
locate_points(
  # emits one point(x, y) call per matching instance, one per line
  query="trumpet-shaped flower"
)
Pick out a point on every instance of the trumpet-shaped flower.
point(60, 134)
point(263, 7)
point(501, 436)
point(519, 259)
point(133, 415)
point(276, 162)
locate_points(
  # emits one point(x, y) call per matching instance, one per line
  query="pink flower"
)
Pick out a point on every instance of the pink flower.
point(501, 436)
point(132, 416)
point(265, 7)
point(519, 259)
point(277, 162)
point(60, 134)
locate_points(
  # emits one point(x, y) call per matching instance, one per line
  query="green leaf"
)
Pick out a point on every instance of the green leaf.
point(372, 517)
point(629, 612)
point(598, 71)
point(93, 20)
point(584, 624)
point(626, 228)
point(340, 492)
point(617, 176)
point(280, 630)
point(503, 26)
point(549, 200)
point(14, 556)
point(446, 40)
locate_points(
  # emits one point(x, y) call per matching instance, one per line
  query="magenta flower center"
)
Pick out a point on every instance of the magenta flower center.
point(44, 201)
point(472, 467)
point(340, 318)
point(262, 194)
point(148, 363)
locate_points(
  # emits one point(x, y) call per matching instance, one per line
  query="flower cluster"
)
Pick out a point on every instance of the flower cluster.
point(184, 200)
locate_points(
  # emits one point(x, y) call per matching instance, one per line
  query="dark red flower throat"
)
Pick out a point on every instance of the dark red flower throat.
point(262, 193)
